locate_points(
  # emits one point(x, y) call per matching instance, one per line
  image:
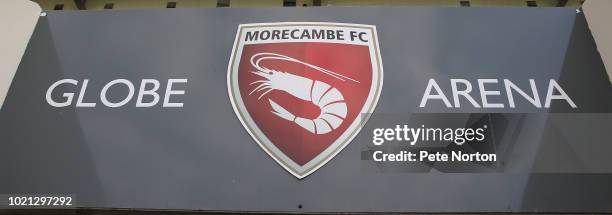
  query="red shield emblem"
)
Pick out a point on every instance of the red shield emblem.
point(300, 89)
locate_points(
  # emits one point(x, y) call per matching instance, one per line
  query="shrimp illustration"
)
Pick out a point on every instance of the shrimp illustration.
point(329, 99)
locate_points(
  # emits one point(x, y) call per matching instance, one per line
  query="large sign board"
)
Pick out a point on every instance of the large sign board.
point(484, 109)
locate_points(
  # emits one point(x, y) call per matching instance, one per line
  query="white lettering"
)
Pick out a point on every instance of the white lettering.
point(535, 100)
point(68, 96)
point(484, 93)
point(465, 93)
point(124, 101)
point(439, 94)
point(170, 92)
point(552, 85)
point(143, 91)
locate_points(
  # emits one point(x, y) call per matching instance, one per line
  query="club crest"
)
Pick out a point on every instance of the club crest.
point(302, 90)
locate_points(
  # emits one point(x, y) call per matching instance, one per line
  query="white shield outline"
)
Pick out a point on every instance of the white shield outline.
point(343, 140)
